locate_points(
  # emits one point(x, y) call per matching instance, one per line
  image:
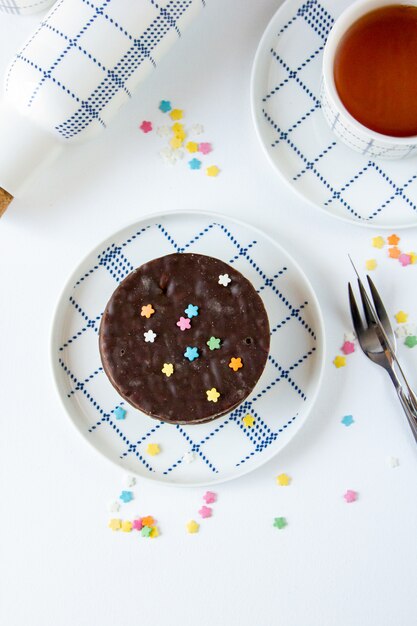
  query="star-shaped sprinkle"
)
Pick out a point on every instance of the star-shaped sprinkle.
point(413, 258)
point(146, 127)
point(126, 496)
point(189, 457)
point(191, 311)
point(168, 369)
point(148, 521)
point(401, 317)
point(137, 523)
point(191, 353)
point(192, 527)
point(405, 329)
point(114, 506)
point(393, 240)
point(350, 496)
point(235, 363)
point(163, 131)
point(394, 252)
point(280, 522)
point(214, 343)
point(224, 280)
point(176, 114)
point(194, 164)
point(212, 395)
point(149, 336)
point(339, 361)
point(154, 532)
point(184, 323)
point(404, 259)
point(347, 420)
point(410, 341)
point(248, 421)
point(349, 336)
point(191, 146)
point(283, 480)
point(165, 106)
point(205, 147)
point(197, 129)
point(176, 142)
point(348, 347)
point(169, 155)
point(205, 511)
point(179, 130)
point(393, 461)
point(130, 481)
point(212, 170)
point(370, 264)
point(115, 524)
point(119, 413)
point(147, 310)
point(378, 242)
point(153, 449)
point(146, 531)
point(126, 526)
point(210, 497)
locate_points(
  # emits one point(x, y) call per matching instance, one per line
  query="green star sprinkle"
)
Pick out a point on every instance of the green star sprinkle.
point(214, 343)
point(280, 522)
point(411, 341)
point(146, 531)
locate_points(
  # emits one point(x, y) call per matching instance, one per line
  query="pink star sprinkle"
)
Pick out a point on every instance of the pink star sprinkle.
point(404, 259)
point(146, 127)
point(137, 524)
point(204, 148)
point(210, 497)
point(348, 347)
point(184, 323)
point(350, 496)
point(205, 511)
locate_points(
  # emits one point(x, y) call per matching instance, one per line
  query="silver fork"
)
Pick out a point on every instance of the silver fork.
point(377, 340)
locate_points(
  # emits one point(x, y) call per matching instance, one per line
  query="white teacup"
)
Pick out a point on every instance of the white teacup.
point(342, 123)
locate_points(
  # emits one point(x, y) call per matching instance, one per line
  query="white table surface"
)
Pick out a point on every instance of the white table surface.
point(335, 564)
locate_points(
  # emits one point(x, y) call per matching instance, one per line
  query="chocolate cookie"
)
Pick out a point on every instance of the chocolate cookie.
point(184, 338)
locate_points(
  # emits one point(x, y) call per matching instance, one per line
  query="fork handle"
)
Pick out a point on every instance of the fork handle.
point(408, 410)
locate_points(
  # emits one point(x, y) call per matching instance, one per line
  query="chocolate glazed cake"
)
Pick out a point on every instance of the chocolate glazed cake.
point(184, 338)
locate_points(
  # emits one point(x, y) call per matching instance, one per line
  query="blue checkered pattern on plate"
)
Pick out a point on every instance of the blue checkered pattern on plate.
point(225, 444)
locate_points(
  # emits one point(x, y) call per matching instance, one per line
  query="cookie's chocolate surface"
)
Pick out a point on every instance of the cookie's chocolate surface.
point(233, 313)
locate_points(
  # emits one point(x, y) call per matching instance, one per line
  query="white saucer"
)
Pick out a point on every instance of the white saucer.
point(224, 448)
point(286, 108)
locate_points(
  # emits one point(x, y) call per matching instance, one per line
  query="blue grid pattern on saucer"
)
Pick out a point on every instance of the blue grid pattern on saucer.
point(309, 25)
point(155, 22)
point(255, 440)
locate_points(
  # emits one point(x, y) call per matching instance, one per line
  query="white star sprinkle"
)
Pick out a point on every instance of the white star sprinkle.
point(224, 279)
point(189, 457)
point(393, 461)
point(114, 507)
point(197, 129)
point(130, 481)
point(149, 336)
point(350, 337)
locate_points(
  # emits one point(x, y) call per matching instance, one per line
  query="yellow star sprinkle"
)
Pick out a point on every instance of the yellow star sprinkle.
point(168, 369)
point(176, 114)
point(178, 128)
point(176, 142)
point(212, 395)
point(147, 311)
point(413, 257)
point(339, 361)
point(248, 420)
point(192, 527)
point(115, 524)
point(283, 480)
point(370, 264)
point(191, 146)
point(154, 532)
point(153, 449)
point(212, 170)
point(126, 526)
point(378, 242)
point(401, 317)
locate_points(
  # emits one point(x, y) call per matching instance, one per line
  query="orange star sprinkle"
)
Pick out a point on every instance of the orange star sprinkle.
point(393, 240)
point(147, 311)
point(235, 363)
point(148, 521)
point(394, 252)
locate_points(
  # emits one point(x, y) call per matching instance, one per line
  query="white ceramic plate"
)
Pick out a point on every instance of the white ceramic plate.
point(286, 108)
point(224, 448)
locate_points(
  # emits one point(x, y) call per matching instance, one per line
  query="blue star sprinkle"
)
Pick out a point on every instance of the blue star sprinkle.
point(191, 311)
point(165, 106)
point(191, 353)
point(348, 420)
point(126, 496)
point(119, 413)
point(194, 164)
